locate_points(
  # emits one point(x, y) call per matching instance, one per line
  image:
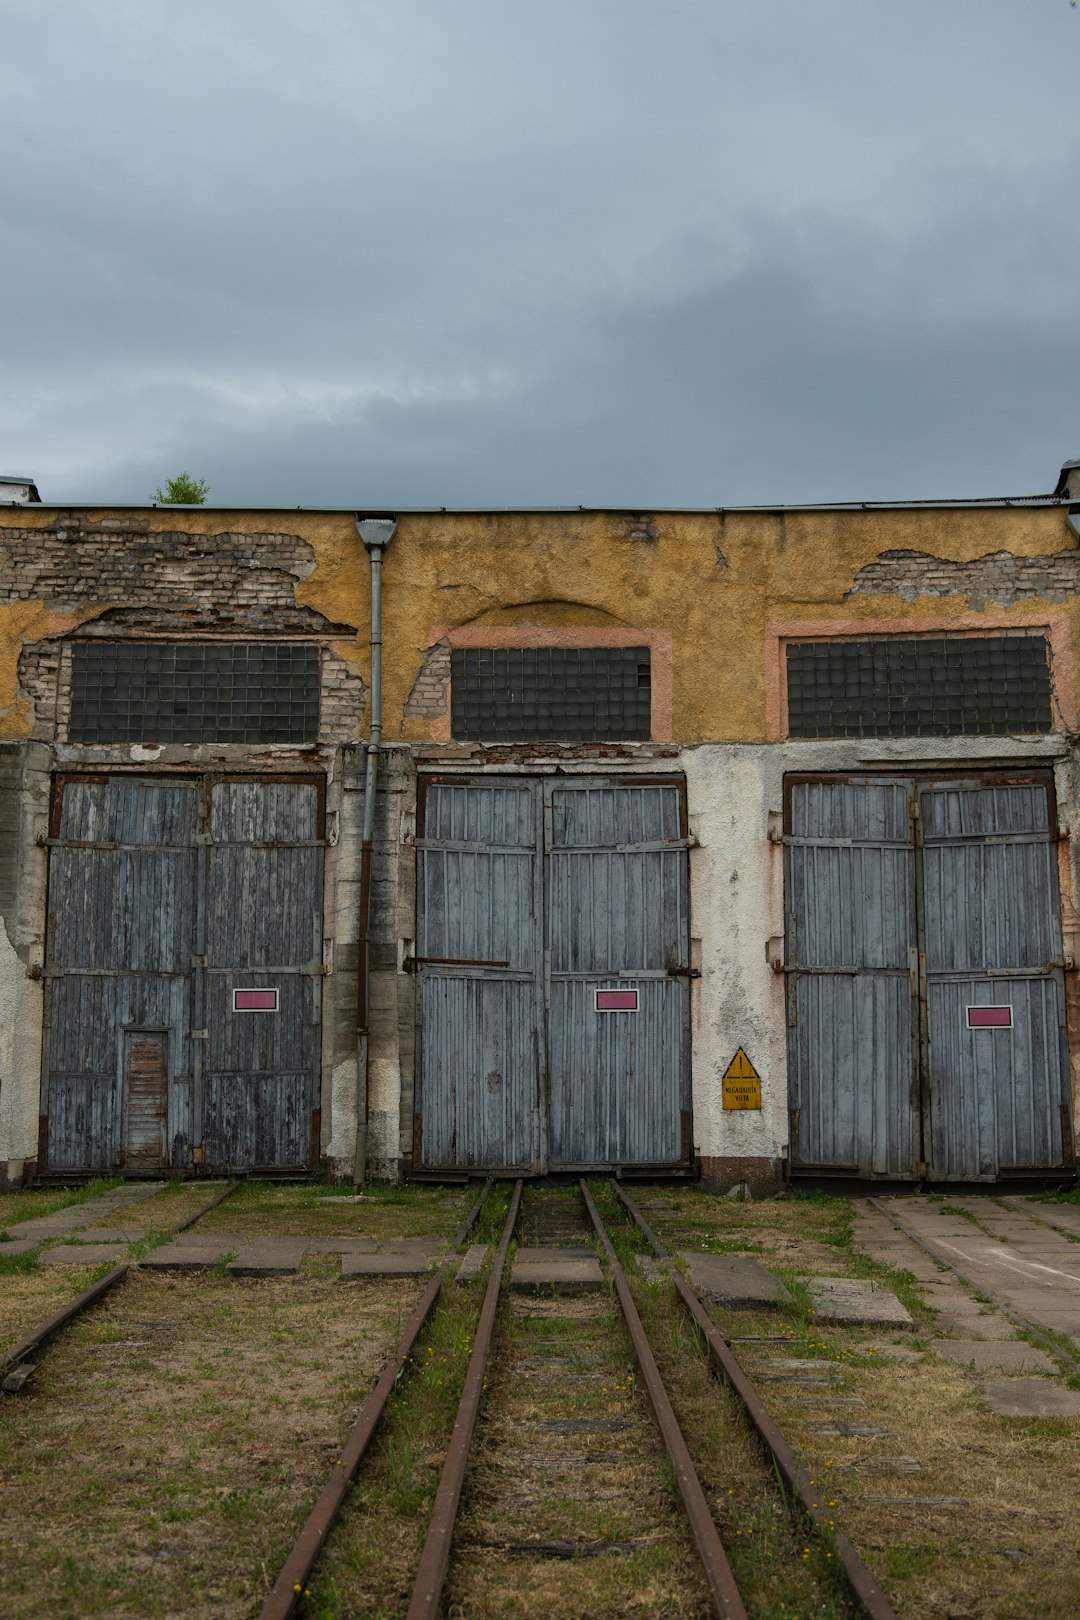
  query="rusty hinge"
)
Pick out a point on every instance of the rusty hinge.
point(683, 973)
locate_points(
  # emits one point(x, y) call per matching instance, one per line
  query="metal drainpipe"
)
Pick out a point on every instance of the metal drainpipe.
point(376, 532)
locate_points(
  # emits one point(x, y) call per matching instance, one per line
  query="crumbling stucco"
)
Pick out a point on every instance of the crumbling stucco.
point(1000, 577)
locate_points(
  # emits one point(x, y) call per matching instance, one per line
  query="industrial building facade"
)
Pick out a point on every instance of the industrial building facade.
point(732, 843)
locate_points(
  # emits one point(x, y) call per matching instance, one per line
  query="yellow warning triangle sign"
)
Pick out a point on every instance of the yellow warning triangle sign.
point(740, 1068)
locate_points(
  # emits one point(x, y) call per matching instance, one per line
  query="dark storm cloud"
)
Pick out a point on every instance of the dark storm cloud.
point(492, 253)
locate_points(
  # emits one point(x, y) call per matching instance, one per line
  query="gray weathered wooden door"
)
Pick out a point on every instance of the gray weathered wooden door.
point(121, 931)
point(263, 932)
point(910, 906)
point(165, 896)
point(617, 918)
point(997, 1095)
point(532, 896)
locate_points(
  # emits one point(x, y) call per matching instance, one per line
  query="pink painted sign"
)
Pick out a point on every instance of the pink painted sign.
point(989, 1017)
point(254, 1001)
point(616, 1000)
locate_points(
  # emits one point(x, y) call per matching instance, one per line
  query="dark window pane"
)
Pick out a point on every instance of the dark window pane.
point(927, 686)
point(202, 691)
point(550, 694)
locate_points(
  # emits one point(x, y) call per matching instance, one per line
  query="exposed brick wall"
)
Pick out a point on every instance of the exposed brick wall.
point(999, 577)
point(170, 583)
point(243, 581)
point(640, 526)
point(430, 693)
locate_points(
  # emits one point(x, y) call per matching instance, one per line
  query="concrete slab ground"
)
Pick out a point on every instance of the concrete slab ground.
point(473, 1263)
point(343, 1245)
point(1030, 1397)
point(83, 1254)
point(1066, 1217)
point(185, 1253)
point(731, 1279)
point(78, 1216)
point(355, 1266)
point(995, 1356)
point(269, 1257)
point(849, 1300)
point(550, 1270)
point(20, 1246)
point(112, 1234)
point(1034, 1272)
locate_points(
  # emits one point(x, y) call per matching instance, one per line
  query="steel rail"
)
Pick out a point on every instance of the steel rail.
point(293, 1576)
point(10, 1359)
point(863, 1586)
point(723, 1587)
point(431, 1571)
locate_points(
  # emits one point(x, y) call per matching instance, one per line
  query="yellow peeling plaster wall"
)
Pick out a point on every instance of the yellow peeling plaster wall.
point(715, 580)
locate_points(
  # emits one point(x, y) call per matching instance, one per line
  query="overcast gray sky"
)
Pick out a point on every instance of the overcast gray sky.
point(496, 252)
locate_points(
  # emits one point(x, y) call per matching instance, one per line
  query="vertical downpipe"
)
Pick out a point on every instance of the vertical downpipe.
point(376, 533)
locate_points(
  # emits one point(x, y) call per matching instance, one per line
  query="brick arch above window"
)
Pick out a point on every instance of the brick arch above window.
point(430, 698)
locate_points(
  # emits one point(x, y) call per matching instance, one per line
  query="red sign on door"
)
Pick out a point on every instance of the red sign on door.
point(989, 1017)
point(616, 1000)
point(254, 1001)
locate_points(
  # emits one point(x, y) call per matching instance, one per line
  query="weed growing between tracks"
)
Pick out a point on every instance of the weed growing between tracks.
point(781, 1569)
point(571, 1507)
point(369, 1561)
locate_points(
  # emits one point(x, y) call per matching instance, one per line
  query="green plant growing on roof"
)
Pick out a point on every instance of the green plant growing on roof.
point(183, 490)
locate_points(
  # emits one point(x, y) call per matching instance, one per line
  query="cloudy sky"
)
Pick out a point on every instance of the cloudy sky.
point(540, 252)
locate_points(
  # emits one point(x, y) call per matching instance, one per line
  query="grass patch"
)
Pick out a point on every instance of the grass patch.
point(35, 1202)
point(179, 1433)
point(300, 1209)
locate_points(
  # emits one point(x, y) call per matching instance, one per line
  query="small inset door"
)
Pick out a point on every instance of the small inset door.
point(145, 1100)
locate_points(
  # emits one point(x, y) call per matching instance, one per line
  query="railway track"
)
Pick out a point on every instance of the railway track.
point(16, 1367)
point(443, 1542)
